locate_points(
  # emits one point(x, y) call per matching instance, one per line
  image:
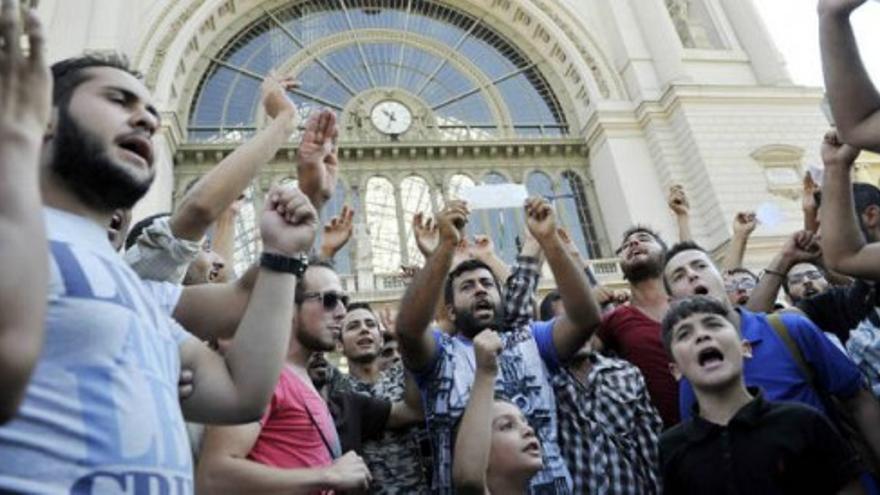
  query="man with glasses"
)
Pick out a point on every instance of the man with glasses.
point(294, 448)
point(739, 284)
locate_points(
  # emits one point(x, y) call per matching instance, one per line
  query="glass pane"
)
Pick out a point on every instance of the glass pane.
point(415, 196)
point(382, 225)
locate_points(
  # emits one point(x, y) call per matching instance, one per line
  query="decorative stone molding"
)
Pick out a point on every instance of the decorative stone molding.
point(782, 166)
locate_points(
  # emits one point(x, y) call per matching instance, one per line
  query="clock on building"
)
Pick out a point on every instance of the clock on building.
point(391, 117)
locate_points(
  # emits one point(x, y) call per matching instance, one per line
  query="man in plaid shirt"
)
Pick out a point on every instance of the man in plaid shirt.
point(444, 364)
point(608, 428)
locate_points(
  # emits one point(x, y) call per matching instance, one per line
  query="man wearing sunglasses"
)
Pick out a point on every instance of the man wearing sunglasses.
point(295, 447)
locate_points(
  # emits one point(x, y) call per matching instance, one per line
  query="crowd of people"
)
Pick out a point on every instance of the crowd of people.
point(133, 359)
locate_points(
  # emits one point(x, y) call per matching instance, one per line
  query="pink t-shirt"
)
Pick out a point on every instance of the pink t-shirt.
point(289, 438)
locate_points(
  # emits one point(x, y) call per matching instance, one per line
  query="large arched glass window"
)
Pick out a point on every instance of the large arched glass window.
point(463, 79)
point(382, 225)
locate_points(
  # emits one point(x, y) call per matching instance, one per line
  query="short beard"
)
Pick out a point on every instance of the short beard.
point(312, 343)
point(84, 166)
point(467, 325)
point(652, 268)
point(364, 358)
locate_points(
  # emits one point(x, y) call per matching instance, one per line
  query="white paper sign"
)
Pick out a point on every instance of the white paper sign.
point(769, 214)
point(490, 196)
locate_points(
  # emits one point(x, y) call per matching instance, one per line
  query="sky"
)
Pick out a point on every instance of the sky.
point(794, 26)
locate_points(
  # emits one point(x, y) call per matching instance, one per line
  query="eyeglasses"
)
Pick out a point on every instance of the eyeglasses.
point(745, 284)
point(804, 276)
point(329, 299)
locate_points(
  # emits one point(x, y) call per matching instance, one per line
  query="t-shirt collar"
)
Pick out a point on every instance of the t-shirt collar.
point(69, 227)
point(748, 415)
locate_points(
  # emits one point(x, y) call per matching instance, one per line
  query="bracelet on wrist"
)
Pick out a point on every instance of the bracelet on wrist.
point(295, 265)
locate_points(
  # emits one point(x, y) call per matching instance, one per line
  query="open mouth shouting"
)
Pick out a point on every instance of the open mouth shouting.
point(483, 308)
point(710, 358)
point(701, 290)
point(137, 148)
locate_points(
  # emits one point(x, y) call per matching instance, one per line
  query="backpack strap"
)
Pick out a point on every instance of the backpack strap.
point(794, 349)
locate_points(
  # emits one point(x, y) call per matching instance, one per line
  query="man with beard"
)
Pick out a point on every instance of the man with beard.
point(633, 331)
point(395, 459)
point(25, 89)
point(171, 248)
point(444, 364)
point(101, 412)
point(773, 365)
point(294, 448)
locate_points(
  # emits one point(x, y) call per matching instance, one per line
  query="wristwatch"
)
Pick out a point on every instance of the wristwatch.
point(279, 263)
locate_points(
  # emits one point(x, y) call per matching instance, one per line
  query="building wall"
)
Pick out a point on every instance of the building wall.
point(652, 111)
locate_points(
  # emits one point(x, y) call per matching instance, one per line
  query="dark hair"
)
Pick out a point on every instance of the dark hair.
point(647, 230)
point(785, 286)
point(864, 195)
point(674, 251)
point(545, 310)
point(137, 229)
point(464, 267)
point(69, 73)
point(686, 308)
point(300, 288)
point(739, 269)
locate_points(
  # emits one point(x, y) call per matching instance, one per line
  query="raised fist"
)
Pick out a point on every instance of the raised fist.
point(289, 221)
point(25, 81)
point(452, 221)
point(487, 346)
point(540, 219)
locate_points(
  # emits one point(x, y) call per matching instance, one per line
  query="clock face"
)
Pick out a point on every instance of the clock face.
point(391, 117)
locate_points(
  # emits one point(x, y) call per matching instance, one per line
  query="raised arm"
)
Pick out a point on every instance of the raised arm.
point(582, 317)
point(678, 203)
point(799, 248)
point(337, 233)
point(855, 102)
point(470, 460)
point(25, 100)
point(408, 411)
point(237, 387)
point(421, 297)
point(224, 468)
point(744, 224)
point(808, 203)
point(483, 249)
point(220, 187)
point(317, 160)
point(844, 245)
point(426, 234)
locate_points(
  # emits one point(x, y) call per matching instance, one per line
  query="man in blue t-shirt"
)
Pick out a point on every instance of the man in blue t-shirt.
point(101, 413)
point(444, 365)
point(689, 271)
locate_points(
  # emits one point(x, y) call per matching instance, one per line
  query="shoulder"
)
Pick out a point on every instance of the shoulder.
point(674, 440)
point(790, 413)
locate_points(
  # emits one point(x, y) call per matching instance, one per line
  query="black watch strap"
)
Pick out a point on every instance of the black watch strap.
point(285, 264)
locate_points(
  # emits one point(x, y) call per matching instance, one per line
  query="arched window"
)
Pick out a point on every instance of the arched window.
point(382, 225)
point(415, 196)
point(456, 183)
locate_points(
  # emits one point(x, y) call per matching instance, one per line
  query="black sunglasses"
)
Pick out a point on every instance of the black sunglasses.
point(330, 299)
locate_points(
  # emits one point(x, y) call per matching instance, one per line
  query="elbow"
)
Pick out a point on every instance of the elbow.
point(210, 476)
point(195, 211)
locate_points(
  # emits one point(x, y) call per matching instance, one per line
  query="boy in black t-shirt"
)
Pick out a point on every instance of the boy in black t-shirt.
point(737, 442)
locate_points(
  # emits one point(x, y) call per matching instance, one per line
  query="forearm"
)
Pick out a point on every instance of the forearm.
point(418, 303)
point(684, 227)
point(471, 457)
point(854, 99)
point(235, 475)
point(764, 296)
point(841, 244)
point(811, 221)
point(260, 344)
point(735, 252)
point(580, 305)
point(498, 266)
point(216, 191)
point(224, 243)
point(24, 261)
